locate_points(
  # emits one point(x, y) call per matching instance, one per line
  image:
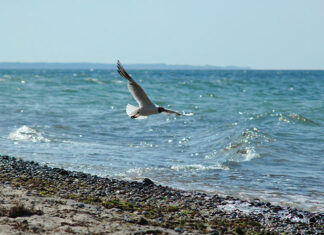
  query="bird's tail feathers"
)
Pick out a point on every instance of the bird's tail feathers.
point(131, 110)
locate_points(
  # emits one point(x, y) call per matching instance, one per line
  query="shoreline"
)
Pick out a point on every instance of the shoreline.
point(36, 198)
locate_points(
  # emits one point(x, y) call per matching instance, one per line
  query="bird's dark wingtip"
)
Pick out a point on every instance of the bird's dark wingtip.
point(119, 66)
point(122, 71)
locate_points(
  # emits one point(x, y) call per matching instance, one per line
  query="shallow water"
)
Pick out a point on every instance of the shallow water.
point(245, 133)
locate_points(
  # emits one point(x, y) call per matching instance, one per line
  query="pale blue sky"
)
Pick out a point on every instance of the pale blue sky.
point(276, 34)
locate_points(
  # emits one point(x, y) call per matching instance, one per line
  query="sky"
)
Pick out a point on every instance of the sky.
point(276, 34)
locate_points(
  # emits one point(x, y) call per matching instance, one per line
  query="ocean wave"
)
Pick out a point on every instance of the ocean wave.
point(288, 117)
point(242, 147)
point(244, 154)
point(94, 80)
point(187, 114)
point(138, 173)
point(300, 118)
point(198, 167)
point(25, 133)
point(294, 118)
point(249, 153)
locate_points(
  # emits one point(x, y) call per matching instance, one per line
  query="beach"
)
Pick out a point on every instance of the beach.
point(36, 198)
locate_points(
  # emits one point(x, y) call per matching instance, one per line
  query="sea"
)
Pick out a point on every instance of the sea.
point(243, 133)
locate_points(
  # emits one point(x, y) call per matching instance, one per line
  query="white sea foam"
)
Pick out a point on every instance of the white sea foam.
point(118, 81)
point(187, 114)
point(136, 173)
point(94, 80)
point(198, 167)
point(7, 76)
point(140, 172)
point(25, 133)
point(250, 154)
point(283, 119)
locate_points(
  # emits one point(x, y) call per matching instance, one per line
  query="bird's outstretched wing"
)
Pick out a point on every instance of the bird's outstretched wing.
point(168, 111)
point(135, 89)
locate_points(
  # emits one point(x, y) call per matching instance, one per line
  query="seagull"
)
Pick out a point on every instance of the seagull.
point(146, 107)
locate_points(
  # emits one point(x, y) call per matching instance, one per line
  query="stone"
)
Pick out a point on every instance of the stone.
point(147, 181)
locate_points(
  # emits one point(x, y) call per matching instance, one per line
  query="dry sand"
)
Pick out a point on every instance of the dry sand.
point(66, 216)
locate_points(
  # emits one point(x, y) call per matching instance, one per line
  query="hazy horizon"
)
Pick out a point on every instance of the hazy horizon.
point(90, 65)
point(136, 66)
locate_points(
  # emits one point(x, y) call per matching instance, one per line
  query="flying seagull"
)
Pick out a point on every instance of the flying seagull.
point(146, 107)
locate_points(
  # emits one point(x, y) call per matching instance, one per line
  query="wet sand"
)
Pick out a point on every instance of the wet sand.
point(37, 199)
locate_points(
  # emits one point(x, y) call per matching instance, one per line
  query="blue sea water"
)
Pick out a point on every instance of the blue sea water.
point(250, 134)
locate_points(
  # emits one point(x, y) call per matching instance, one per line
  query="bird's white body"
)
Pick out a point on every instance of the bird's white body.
point(142, 112)
point(146, 107)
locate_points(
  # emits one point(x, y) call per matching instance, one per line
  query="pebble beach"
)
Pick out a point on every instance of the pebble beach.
point(35, 199)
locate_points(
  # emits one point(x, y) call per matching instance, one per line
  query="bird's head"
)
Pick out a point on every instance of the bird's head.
point(161, 109)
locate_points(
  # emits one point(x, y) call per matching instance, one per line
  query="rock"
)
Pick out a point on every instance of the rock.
point(312, 220)
point(147, 181)
point(24, 222)
point(142, 221)
point(5, 157)
point(150, 231)
point(81, 205)
point(215, 232)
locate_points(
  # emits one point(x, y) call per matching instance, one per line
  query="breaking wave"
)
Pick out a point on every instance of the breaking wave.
point(198, 167)
point(25, 133)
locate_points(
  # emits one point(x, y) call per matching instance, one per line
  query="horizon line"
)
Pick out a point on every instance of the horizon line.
point(206, 66)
